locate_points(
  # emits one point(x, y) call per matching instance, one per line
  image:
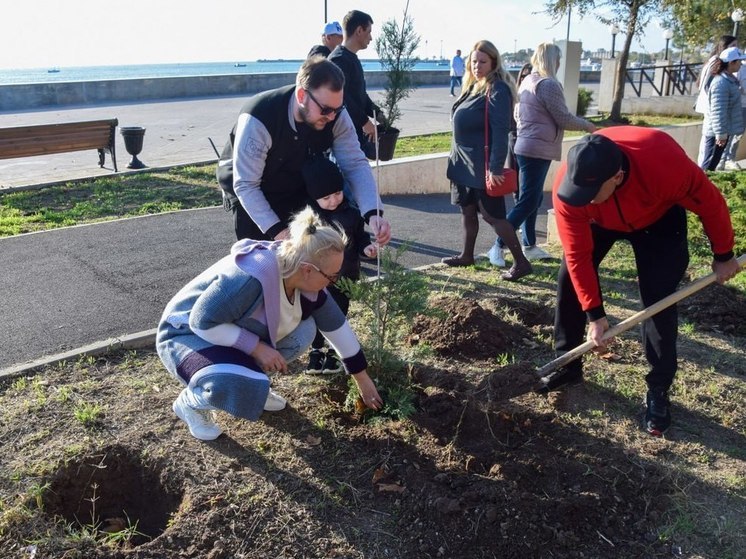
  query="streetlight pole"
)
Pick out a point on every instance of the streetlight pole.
point(737, 17)
point(325, 17)
point(667, 35)
point(614, 29)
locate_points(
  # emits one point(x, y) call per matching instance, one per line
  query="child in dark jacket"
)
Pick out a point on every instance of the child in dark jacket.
point(324, 183)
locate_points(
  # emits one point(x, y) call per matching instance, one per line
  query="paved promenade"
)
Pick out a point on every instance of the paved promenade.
point(66, 288)
point(178, 131)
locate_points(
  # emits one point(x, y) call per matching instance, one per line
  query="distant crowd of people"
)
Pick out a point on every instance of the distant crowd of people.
point(297, 182)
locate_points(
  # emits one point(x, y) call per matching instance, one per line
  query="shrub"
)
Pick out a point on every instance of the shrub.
point(389, 304)
point(584, 100)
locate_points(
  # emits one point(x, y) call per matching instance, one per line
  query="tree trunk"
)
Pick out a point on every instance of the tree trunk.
point(621, 70)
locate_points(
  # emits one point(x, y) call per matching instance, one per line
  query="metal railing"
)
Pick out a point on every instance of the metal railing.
point(674, 79)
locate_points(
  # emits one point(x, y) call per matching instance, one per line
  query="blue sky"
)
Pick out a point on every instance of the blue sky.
point(44, 33)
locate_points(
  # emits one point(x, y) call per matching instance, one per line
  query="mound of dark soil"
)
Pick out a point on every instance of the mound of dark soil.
point(717, 308)
point(463, 328)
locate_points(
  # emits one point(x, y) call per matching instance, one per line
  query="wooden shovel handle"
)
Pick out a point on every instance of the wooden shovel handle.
point(635, 319)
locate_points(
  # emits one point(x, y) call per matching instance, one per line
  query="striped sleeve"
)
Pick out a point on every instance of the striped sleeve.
point(333, 325)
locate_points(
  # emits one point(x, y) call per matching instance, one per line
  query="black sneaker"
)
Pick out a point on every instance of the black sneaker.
point(332, 363)
point(561, 377)
point(658, 414)
point(315, 362)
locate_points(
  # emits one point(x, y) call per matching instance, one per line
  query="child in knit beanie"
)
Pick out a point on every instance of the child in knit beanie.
point(324, 185)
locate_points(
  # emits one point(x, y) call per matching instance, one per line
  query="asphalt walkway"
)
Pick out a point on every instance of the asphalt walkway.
point(71, 287)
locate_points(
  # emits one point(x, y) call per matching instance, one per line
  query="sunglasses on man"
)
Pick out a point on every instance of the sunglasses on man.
point(325, 111)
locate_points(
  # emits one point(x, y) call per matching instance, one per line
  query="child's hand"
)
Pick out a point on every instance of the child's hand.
point(371, 250)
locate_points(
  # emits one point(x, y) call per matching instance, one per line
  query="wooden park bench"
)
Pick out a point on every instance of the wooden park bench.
point(44, 139)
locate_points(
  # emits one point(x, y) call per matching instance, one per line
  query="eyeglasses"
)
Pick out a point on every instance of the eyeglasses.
point(334, 278)
point(325, 111)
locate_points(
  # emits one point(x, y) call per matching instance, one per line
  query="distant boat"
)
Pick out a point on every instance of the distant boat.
point(53, 70)
point(239, 65)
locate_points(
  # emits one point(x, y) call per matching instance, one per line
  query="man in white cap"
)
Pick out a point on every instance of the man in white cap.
point(330, 38)
point(613, 187)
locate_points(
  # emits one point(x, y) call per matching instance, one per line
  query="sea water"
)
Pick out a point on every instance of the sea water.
point(97, 73)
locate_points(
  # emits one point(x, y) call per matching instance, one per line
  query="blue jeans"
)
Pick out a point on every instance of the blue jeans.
point(732, 148)
point(712, 155)
point(532, 172)
point(455, 81)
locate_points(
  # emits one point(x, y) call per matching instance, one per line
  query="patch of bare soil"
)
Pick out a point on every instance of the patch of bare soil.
point(718, 308)
point(485, 467)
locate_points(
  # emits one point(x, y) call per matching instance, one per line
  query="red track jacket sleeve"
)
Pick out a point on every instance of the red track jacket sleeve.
point(660, 176)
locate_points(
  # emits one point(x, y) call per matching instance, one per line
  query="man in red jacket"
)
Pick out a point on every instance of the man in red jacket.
point(633, 184)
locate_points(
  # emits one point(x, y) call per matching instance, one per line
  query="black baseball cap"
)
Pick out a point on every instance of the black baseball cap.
point(590, 163)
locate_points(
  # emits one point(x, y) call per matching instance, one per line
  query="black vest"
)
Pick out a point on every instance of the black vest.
point(282, 180)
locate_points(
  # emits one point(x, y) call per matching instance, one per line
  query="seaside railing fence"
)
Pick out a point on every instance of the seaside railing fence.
point(673, 79)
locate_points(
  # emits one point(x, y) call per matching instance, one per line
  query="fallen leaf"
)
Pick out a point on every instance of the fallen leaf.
point(113, 525)
point(360, 406)
point(313, 441)
point(391, 487)
point(378, 475)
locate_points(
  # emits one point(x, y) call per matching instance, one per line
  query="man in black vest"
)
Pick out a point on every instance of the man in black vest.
point(260, 169)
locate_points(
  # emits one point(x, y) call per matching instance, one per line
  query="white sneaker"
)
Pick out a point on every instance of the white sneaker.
point(201, 423)
point(536, 253)
point(732, 166)
point(495, 254)
point(274, 402)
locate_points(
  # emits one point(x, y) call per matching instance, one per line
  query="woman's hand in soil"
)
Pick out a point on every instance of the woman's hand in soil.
point(269, 358)
point(367, 390)
point(596, 330)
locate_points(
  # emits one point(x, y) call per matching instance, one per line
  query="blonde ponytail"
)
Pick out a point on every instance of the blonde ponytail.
point(310, 240)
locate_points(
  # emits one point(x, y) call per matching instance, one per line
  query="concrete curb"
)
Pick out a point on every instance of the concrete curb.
point(138, 340)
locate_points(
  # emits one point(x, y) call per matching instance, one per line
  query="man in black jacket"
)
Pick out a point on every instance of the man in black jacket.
point(357, 27)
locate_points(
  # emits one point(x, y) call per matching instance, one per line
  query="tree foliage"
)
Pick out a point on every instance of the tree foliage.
point(396, 46)
point(698, 23)
point(632, 16)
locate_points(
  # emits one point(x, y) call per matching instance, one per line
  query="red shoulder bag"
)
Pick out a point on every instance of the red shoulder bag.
point(510, 177)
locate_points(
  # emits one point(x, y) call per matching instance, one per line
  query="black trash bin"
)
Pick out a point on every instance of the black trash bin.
point(133, 137)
